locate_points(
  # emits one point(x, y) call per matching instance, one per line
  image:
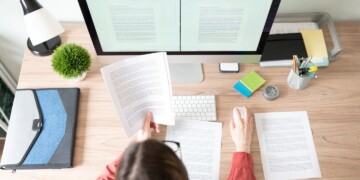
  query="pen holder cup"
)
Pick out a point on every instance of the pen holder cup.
point(297, 82)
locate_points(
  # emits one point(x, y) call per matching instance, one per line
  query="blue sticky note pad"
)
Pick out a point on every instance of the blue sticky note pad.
point(242, 89)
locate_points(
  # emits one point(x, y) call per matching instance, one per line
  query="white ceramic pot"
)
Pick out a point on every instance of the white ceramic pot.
point(79, 78)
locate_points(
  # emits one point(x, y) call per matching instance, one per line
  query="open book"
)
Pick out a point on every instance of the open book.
point(140, 85)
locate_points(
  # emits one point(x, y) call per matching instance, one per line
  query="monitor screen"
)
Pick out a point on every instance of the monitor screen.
point(120, 27)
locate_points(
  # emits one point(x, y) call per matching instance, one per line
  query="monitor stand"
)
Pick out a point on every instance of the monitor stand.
point(186, 72)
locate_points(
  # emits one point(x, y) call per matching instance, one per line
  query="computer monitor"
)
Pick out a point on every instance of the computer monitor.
point(190, 31)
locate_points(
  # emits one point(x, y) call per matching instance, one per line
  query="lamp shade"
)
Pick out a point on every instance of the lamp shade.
point(42, 28)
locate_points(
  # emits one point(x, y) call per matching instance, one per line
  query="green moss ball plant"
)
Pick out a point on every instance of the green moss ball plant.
point(71, 61)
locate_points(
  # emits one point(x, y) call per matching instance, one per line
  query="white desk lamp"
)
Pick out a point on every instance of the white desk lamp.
point(42, 28)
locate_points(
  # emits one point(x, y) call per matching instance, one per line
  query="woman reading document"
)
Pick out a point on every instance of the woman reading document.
point(149, 159)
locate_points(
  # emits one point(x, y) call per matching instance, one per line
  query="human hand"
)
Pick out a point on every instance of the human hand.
point(145, 133)
point(241, 129)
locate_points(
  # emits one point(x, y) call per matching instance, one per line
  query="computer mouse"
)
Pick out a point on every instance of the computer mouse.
point(242, 112)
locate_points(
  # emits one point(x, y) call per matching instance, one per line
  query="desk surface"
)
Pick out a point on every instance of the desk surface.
point(332, 102)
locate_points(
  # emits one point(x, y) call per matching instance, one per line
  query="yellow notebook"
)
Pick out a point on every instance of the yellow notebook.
point(314, 43)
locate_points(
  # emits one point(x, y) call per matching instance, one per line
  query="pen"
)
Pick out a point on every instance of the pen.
point(306, 62)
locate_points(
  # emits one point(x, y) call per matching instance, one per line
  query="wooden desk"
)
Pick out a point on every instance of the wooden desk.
point(332, 102)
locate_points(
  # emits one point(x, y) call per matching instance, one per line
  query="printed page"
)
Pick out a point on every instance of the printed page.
point(287, 146)
point(139, 85)
point(141, 25)
point(200, 146)
point(217, 25)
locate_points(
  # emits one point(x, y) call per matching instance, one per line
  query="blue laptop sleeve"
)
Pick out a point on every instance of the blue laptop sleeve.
point(42, 129)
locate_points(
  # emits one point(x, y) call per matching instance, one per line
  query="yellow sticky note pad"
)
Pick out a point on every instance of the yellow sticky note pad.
point(314, 43)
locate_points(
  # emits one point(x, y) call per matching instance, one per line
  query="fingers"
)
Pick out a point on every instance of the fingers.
point(148, 120)
point(249, 115)
point(246, 114)
point(155, 126)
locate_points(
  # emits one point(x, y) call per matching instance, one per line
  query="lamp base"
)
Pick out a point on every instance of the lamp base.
point(46, 48)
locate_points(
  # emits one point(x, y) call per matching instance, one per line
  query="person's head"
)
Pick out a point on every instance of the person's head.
point(150, 160)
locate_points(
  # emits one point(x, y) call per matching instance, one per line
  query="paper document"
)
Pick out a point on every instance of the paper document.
point(200, 144)
point(285, 28)
point(287, 146)
point(139, 85)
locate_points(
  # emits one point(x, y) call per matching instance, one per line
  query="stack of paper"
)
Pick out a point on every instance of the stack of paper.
point(286, 28)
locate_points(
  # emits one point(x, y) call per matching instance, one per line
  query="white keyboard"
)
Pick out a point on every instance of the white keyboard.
point(195, 107)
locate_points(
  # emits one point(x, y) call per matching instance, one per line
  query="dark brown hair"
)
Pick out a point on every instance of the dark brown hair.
point(150, 160)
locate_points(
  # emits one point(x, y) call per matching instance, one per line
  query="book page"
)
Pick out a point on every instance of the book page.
point(141, 25)
point(217, 25)
point(139, 85)
point(287, 146)
point(200, 146)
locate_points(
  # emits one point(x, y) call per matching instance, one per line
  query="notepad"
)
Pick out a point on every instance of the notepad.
point(314, 43)
point(248, 84)
point(315, 46)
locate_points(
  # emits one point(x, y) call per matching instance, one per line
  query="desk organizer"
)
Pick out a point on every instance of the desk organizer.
point(322, 19)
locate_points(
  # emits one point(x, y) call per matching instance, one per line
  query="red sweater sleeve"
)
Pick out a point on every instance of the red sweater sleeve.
point(109, 172)
point(242, 167)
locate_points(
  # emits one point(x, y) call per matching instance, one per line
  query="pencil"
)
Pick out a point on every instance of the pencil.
point(294, 63)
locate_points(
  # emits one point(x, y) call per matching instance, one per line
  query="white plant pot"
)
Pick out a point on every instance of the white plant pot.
point(79, 78)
